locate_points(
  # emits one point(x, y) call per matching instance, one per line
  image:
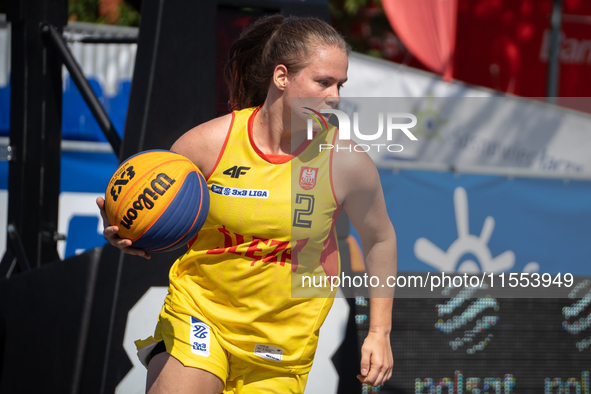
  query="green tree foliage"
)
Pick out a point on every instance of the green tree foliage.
point(128, 16)
point(88, 11)
point(365, 26)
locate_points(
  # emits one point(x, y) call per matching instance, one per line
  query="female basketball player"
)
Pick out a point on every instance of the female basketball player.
point(230, 322)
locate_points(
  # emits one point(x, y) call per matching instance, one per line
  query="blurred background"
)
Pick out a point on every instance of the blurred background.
point(499, 181)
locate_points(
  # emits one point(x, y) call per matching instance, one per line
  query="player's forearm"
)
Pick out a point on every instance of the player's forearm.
point(380, 312)
point(380, 262)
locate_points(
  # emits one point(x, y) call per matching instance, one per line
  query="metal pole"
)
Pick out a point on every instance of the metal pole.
point(554, 55)
point(35, 132)
point(81, 82)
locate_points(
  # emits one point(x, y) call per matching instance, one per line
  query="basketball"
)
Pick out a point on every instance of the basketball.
point(158, 199)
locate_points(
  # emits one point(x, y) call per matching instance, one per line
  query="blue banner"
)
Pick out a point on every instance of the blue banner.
point(481, 223)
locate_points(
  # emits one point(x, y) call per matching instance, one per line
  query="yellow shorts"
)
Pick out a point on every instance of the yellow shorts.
point(191, 341)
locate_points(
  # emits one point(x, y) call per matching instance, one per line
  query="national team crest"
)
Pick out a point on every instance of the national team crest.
point(308, 177)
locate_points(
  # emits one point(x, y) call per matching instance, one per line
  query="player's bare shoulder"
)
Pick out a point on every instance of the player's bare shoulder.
point(202, 144)
point(352, 170)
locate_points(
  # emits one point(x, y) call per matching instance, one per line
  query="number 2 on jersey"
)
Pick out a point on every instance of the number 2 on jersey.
point(299, 217)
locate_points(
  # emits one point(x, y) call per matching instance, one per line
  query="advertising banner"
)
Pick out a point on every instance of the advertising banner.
point(450, 222)
point(471, 131)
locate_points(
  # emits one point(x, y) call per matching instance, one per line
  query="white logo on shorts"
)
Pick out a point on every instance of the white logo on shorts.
point(199, 337)
point(269, 352)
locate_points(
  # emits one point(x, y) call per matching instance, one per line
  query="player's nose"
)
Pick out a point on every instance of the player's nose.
point(333, 101)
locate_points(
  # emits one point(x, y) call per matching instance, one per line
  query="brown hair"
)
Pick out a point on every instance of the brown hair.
point(270, 41)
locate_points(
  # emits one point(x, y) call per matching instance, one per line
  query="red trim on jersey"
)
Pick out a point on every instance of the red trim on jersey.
point(330, 255)
point(302, 147)
point(223, 147)
point(273, 159)
point(277, 159)
point(334, 195)
point(191, 242)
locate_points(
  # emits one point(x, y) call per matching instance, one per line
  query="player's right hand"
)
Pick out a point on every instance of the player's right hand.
point(110, 233)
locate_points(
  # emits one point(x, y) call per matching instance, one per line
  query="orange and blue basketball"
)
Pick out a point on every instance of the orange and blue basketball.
point(158, 199)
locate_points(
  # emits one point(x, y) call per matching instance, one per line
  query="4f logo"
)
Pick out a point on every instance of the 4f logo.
point(125, 177)
point(236, 171)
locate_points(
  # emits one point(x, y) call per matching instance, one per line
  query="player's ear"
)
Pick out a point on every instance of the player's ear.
point(280, 77)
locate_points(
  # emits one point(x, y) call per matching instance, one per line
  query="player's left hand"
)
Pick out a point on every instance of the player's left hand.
point(376, 359)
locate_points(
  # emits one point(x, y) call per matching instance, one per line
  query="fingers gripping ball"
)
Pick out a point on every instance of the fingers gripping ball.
point(158, 199)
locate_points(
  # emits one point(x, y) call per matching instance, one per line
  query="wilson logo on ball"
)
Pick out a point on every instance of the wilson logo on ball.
point(158, 199)
point(144, 201)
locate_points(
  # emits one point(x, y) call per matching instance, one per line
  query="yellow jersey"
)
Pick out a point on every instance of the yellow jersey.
point(270, 224)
